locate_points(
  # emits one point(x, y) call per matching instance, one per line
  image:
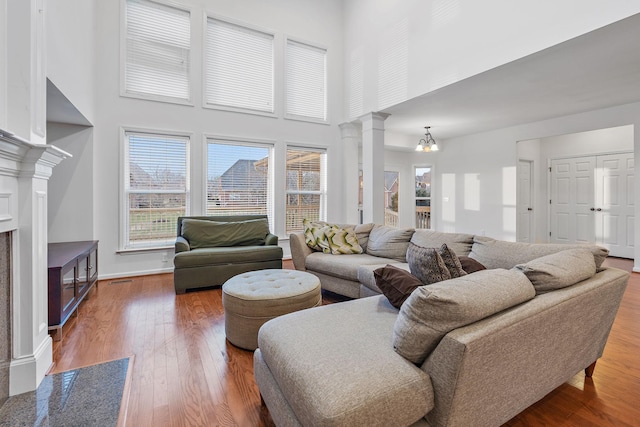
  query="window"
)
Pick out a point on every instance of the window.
point(239, 178)
point(306, 82)
point(157, 59)
point(306, 187)
point(423, 197)
point(238, 67)
point(156, 188)
point(391, 198)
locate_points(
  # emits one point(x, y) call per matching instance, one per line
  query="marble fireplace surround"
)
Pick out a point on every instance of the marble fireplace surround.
point(25, 345)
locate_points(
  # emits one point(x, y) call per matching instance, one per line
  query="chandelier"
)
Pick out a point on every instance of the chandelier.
point(427, 143)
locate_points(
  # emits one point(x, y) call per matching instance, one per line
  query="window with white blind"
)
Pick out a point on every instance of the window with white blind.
point(238, 67)
point(239, 178)
point(305, 82)
point(157, 51)
point(156, 188)
point(306, 187)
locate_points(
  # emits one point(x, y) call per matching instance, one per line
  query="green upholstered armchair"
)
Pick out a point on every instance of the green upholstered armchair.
point(211, 249)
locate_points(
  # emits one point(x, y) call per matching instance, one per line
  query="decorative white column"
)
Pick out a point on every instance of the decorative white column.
point(351, 137)
point(373, 167)
point(25, 171)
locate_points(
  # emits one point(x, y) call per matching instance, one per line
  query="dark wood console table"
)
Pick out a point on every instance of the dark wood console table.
point(73, 270)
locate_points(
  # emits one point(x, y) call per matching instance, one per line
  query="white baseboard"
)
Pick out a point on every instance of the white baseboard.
point(26, 373)
point(134, 273)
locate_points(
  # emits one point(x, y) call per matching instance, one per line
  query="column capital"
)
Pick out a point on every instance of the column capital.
point(350, 130)
point(375, 118)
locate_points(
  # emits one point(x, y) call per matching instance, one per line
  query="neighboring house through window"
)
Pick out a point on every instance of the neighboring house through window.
point(306, 187)
point(156, 188)
point(239, 178)
point(423, 197)
point(157, 52)
point(391, 198)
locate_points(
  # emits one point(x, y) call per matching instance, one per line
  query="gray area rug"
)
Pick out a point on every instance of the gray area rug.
point(88, 396)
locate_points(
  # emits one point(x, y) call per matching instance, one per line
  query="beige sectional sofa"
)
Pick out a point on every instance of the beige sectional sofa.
point(336, 365)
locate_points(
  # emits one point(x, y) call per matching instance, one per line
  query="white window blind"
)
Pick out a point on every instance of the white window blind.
point(238, 67)
point(158, 45)
point(306, 187)
point(306, 81)
point(156, 188)
point(239, 179)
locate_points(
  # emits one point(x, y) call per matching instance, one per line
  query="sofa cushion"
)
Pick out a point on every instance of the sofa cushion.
point(208, 234)
point(451, 261)
point(343, 241)
point(427, 264)
point(368, 279)
point(395, 283)
point(470, 265)
point(432, 311)
point(389, 242)
point(459, 242)
point(335, 366)
point(362, 233)
point(231, 255)
point(500, 254)
point(344, 267)
point(559, 270)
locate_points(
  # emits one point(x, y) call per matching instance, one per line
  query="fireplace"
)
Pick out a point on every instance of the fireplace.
point(25, 345)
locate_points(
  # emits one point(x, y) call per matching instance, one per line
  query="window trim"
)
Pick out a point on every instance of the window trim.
point(295, 117)
point(251, 142)
point(206, 16)
point(123, 221)
point(123, 57)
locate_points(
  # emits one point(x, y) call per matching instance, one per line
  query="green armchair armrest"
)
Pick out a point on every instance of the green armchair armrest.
point(182, 245)
point(271, 239)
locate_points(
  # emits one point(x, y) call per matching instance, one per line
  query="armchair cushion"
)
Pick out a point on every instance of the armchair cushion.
point(209, 234)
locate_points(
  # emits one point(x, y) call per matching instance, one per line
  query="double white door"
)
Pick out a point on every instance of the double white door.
point(592, 201)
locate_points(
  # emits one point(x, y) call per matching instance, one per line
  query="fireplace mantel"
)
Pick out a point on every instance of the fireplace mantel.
point(24, 171)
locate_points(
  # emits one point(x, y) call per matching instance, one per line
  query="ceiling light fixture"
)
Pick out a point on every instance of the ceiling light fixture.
point(427, 143)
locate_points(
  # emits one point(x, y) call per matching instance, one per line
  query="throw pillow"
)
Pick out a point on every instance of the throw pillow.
point(343, 241)
point(451, 261)
point(470, 265)
point(559, 270)
point(433, 311)
point(315, 235)
point(389, 242)
point(427, 264)
point(395, 283)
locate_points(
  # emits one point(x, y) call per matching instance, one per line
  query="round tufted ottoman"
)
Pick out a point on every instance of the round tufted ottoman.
point(250, 299)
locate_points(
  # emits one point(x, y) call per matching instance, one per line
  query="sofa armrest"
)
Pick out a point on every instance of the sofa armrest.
point(182, 245)
point(299, 250)
point(271, 239)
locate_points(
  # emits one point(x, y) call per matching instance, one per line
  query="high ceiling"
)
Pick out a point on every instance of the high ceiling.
point(597, 70)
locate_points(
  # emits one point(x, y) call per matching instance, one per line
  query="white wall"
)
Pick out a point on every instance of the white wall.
point(313, 21)
point(3, 64)
point(70, 201)
point(486, 163)
point(397, 50)
point(71, 51)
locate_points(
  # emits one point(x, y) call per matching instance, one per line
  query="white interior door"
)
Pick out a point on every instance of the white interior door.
point(524, 227)
point(573, 200)
point(615, 204)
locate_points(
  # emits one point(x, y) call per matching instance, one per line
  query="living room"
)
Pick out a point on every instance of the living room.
point(380, 57)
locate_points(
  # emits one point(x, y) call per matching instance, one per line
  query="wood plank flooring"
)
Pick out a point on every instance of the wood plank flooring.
point(186, 374)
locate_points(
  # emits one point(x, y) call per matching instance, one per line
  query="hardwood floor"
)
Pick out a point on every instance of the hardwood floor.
point(186, 374)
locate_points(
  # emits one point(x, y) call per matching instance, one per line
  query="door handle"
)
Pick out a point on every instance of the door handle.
point(529, 209)
point(599, 209)
point(592, 209)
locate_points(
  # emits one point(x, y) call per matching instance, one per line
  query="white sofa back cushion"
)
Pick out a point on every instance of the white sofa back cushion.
point(559, 270)
point(500, 254)
point(389, 242)
point(459, 242)
point(433, 311)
